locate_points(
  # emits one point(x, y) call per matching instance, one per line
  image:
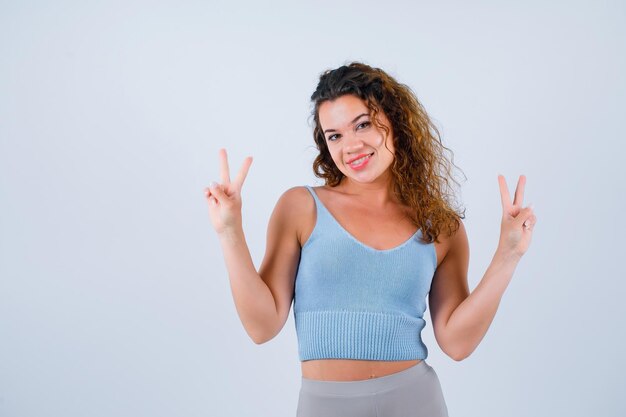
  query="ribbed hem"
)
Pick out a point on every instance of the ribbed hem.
point(359, 335)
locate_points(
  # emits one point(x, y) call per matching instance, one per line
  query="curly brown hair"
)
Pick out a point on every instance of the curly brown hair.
point(421, 174)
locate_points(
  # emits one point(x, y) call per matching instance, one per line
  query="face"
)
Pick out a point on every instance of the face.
point(360, 150)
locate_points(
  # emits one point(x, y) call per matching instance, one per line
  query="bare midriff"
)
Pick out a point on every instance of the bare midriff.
point(351, 369)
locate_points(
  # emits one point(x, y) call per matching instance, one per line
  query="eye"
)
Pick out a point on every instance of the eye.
point(331, 138)
point(364, 124)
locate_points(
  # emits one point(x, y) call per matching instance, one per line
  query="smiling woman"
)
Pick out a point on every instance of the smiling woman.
point(358, 256)
point(356, 143)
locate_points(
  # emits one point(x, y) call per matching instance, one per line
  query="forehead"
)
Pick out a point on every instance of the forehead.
point(341, 111)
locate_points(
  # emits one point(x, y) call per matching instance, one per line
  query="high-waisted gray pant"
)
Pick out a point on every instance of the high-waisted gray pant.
point(413, 392)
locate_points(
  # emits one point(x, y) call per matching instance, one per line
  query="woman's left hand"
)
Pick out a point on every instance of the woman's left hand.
point(517, 222)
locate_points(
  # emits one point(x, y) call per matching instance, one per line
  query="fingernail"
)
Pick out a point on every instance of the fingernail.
point(530, 206)
point(213, 184)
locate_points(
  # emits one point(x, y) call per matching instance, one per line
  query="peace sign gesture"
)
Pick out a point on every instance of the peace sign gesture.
point(225, 198)
point(517, 221)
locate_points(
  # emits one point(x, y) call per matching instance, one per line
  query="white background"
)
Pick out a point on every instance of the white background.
point(114, 298)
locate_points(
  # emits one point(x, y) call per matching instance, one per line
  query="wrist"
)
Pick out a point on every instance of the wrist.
point(231, 235)
point(507, 255)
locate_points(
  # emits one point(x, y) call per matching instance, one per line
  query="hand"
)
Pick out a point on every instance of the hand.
point(225, 198)
point(517, 222)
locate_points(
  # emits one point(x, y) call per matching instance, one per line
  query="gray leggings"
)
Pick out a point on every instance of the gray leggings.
point(413, 392)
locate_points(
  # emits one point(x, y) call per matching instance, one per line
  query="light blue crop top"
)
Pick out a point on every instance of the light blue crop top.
point(352, 301)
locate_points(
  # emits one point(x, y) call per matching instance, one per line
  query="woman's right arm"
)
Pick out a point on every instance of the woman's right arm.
point(262, 299)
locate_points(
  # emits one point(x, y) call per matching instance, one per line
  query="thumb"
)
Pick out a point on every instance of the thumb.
point(210, 196)
point(218, 192)
point(527, 217)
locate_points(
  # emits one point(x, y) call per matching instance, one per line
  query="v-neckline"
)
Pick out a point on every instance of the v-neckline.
point(351, 236)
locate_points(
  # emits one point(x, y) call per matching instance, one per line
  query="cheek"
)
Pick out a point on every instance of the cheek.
point(390, 145)
point(336, 156)
point(378, 139)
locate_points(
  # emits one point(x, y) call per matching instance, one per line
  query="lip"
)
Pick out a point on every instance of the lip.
point(357, 157)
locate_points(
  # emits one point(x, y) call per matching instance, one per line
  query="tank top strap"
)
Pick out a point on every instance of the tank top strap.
point(314, 194)
point(323, 218)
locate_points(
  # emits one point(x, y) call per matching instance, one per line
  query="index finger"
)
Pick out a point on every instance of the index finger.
point(224, 171)
point(519, 191)
point(504, 193)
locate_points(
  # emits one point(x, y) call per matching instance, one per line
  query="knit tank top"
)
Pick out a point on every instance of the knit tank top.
point(352, 301)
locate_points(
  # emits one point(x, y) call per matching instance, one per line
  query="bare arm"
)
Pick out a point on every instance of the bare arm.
point(253, 299)
point(460, 319)
point(262, 299)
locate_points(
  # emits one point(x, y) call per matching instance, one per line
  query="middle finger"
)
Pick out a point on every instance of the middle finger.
point(224, 171)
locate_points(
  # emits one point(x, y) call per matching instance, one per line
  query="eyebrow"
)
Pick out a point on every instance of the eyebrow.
point(352, 122)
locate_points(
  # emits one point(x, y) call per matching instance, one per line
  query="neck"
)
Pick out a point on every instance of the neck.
point(374, 194)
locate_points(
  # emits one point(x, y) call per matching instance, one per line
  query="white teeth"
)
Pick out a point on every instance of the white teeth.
point(358, 161)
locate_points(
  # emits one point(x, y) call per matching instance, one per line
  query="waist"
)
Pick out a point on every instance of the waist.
point(351, 369)
point(372, 336)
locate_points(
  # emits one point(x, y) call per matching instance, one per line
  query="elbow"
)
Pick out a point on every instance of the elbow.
point(260, 338)
point(263, 332)
point(259, 341)
point(458, 354)
point(458, 357)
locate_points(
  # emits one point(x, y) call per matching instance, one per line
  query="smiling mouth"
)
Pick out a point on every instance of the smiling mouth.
point(361, 160)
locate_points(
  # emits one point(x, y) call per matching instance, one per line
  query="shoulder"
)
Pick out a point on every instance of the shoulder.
point(296, 208)
point(296, 198)
point(456, 244)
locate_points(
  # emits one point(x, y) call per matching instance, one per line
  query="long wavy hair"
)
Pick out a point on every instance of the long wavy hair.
point(421, 174)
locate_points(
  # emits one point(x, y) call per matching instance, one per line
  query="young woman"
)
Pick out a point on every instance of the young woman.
point(358, 256)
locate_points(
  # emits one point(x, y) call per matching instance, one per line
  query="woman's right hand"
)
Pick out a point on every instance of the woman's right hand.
point(225, 198)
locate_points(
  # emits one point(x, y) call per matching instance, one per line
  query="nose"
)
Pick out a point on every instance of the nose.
point(353, 143)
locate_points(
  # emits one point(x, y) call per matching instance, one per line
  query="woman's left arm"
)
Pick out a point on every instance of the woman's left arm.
point(460, 319)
